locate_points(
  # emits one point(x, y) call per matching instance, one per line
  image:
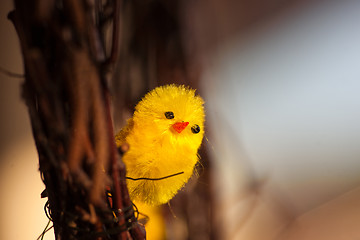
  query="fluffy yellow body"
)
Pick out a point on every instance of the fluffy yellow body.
point(164, 136)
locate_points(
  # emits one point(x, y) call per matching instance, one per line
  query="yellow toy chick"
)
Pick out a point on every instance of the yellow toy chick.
point(164, 136)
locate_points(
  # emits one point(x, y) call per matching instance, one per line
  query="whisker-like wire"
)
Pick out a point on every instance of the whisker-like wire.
point(154, 179)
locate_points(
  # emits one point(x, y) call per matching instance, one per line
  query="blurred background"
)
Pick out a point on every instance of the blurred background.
point(281, 82)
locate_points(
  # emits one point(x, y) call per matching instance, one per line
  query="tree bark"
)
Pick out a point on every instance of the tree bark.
point(66, 74)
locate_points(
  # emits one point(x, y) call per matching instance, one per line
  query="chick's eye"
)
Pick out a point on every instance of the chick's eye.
point(169, 115)
point(195, 128)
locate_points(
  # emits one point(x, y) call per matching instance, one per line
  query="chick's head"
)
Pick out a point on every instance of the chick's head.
point(172, 115)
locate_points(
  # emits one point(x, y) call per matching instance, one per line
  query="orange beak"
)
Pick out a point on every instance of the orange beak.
point(180, 126)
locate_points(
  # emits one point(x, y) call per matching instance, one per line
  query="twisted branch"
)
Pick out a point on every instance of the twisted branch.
point(68, 102)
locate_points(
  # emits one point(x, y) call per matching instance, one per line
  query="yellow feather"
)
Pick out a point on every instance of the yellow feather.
point(156, 149)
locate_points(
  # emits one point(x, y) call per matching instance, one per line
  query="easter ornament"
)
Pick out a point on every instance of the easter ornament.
point(164, 136)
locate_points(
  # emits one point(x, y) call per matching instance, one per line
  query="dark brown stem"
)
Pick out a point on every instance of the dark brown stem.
point(115, 169)
point(115, 34)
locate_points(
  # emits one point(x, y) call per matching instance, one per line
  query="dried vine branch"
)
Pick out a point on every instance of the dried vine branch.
point(69, 107)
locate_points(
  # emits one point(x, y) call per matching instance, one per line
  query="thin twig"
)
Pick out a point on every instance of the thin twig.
point(116, 166)
point(11, 74)
point(115, 34)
